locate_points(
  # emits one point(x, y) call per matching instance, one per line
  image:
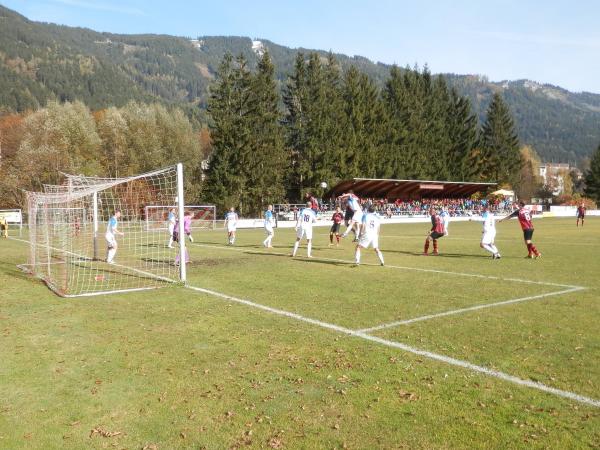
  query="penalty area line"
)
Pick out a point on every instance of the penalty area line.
point(468, 309)
point(415, 351)
point(390, 266)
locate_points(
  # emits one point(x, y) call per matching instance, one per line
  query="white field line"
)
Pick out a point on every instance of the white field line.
point(434, 356)
point(516, 239)
point(416, 269)
point(445, 359)
point(468, 309)
point(85, 258)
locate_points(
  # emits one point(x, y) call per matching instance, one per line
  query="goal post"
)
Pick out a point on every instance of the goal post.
point(89, 236)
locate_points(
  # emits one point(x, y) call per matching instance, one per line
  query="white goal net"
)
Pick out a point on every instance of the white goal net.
point(157, 217)
point(88, 236)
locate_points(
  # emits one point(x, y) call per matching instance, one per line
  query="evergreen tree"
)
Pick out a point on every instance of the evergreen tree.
point(315, 124)
point(295, 99)
point(228, 108)
point(364, 118)
point(500, 144)
point(461, 126)
point(393, 162)
point(265, 170)
point(592, 179)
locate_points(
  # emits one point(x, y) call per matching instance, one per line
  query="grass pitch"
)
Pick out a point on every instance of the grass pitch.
point(176, 368)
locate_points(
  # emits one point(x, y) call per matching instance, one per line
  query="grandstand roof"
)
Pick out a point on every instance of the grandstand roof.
point(407, 189)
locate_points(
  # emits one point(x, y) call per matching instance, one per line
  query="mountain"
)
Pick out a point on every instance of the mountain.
point(41, 62)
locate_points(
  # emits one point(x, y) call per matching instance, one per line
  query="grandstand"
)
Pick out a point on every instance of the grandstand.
point(391, 189)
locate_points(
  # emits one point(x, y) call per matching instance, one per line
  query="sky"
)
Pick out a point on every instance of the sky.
point(556, 42)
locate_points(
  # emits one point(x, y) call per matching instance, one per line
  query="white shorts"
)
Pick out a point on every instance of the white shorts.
point(304, 232)
point(171, 228)
point(357, 216)
point(488, 237)
point(366, 241)
point(269, 229)
point(231, 227)
point(110, 240)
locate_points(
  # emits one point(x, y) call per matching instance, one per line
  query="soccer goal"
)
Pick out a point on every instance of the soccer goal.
point(203, 216)
point(13, 220)
point(75, 229)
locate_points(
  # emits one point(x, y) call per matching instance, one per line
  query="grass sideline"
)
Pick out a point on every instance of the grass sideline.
point(180, 369)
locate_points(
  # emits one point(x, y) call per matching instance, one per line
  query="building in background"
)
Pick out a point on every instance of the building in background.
point(554, 175)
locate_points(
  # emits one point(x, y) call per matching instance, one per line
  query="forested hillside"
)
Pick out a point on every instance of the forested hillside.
point(41, 62)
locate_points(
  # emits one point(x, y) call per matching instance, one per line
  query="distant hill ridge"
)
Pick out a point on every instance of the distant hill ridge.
point(40, 62)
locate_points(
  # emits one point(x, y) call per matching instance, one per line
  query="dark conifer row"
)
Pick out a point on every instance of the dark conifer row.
point(336, 125)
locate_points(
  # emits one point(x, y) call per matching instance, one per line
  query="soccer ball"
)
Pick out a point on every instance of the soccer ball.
point(323, 185)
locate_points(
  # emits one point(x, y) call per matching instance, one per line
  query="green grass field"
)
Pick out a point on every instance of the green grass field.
point(326, 364)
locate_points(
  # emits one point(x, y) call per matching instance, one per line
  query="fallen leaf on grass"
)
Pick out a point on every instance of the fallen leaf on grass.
point(104, 433)
point(150, 447)
point(275, 442)
point(408, 395)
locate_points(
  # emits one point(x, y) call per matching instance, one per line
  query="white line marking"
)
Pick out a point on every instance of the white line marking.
point(417, 269)
point(437, 357)
point(85, 258)
point(468, 309)
point(446, 359)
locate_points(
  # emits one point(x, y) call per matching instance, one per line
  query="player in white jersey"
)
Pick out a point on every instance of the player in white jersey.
point(171, 219)
point(304, 228)
point(489, 232)
point(352, 203)
point(269, 223)
point(231, 219)
point(369, 234)
point(111, 231)
point(445, 220)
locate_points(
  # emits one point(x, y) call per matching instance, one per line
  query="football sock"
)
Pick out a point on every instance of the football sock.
point(331, 238)
point(529, 248)
point(111, 254)
point(337, 238)
point(171, 241)
point(494, 248)
point(357, 255)
point(380, 256)
point(489, 248)
point(295, 248)
point(309, 248)
point(435, 246)
point(426, 248)
point(534, 250)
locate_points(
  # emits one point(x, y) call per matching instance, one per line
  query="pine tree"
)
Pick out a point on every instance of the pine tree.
point(265, 170)
point(295, 98)
point(393, 162)
point(500, 144)
point(227, 105)
point(314, 124)
point(592, 179)
point(461, 126)
point(364, 125)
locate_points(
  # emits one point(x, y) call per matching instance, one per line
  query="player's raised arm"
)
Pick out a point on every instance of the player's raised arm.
point(515, 213)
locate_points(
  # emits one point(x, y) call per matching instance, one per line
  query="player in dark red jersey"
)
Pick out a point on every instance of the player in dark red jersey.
point(524, 216)
point(580, 213)
point(337, 218)
point(314, 203)
point(437, 231)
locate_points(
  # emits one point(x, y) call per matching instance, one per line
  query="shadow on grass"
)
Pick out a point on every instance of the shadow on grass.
point(11, 270)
